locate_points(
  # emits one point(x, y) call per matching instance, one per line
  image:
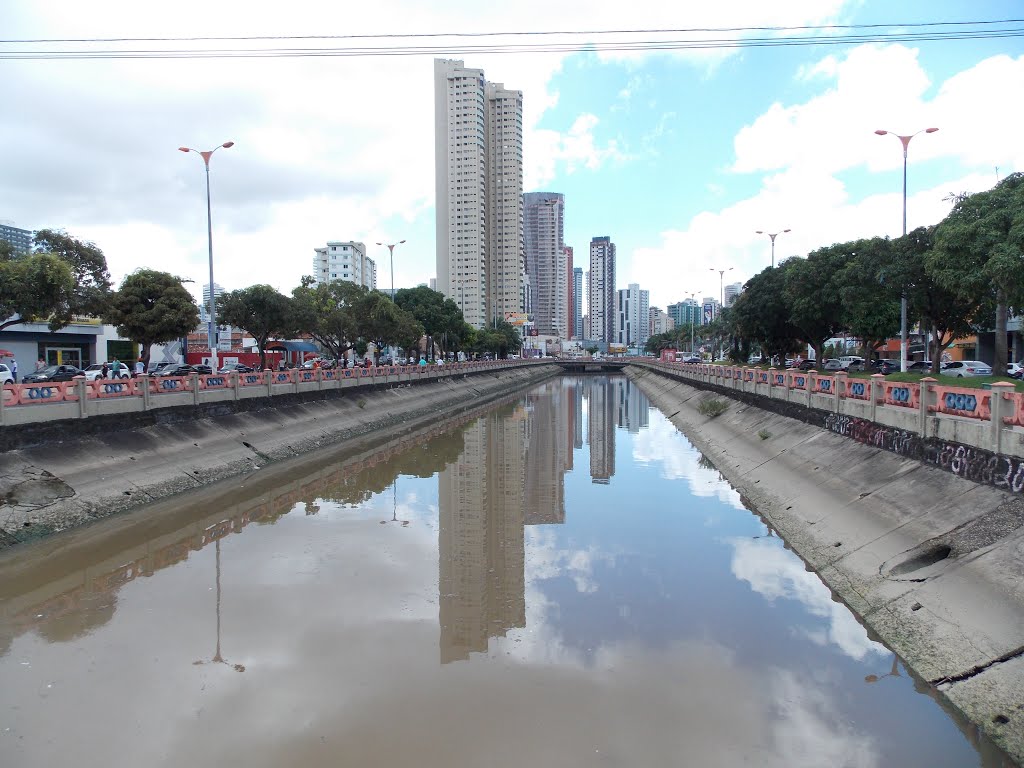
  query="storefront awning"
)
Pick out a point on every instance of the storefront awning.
point(293, 346)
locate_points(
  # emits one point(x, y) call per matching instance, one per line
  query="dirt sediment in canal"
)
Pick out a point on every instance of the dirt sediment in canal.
point(932, 563)
point(62, 484)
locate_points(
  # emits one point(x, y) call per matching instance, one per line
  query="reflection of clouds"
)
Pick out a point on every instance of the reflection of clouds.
point(547, 561)
point(776, 573)
point(810, 732)
point(661, 443)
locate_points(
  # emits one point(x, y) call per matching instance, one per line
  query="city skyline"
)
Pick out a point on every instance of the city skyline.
point(644, 143)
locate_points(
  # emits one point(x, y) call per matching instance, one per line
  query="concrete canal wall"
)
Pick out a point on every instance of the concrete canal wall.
point(69, 472)
point(932, 562)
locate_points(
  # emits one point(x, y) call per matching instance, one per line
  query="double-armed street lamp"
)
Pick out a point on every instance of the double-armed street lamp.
point(212, 309)
point(391, 253)
point(773, 235)
point(721, 285)
point(691, 312)
point(905, 141)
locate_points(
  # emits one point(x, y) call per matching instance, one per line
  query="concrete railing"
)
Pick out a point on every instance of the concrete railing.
point(80, 398)
point(991, 419)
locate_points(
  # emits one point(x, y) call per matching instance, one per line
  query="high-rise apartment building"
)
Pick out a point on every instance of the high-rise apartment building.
point(577, 303)
point(685, 313)
point(204, 310)
point(660, 322)
point(731, 292)
point(344, 261)
point(601, 290)
point(478, 165)
point(21, 239)
point(632, 316)
point(547, 261)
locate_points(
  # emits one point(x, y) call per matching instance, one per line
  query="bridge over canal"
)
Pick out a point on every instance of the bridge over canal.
point(591, 366)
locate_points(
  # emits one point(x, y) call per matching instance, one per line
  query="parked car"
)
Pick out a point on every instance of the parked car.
point(693, 359)
point(202, 368)
point(6, 377)
point(235, 368)
point(93, 371)
point(919, 366)
point(176, 369)
point(53, 373)
point(1015, 370)
point(885, 367)
point(832, 365)
point(154, 369)
point(805, 365)
point(962, 368)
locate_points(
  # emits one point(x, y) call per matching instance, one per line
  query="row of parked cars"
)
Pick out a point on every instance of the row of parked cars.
point(956, 368)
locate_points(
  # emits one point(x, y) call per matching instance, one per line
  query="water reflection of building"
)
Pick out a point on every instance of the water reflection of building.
point(481, 501)
point(601, 428)
point(549, 455)
point(632, 406)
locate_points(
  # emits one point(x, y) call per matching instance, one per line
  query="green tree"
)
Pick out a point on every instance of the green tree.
point(439, 316)
point(151, 307)
point(381, 321)
point(89, 268)
point(947, 313)
point(259, 310)
point(761, 314)
point(812, 293)
point(327, 312)
point(979, 252)
point(871, 305)
point(34, 286)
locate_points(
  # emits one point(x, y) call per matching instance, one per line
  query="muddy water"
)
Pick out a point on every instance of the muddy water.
point(559, 581)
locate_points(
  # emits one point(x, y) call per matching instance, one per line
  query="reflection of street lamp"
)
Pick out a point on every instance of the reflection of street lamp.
point(905, 141)
point(773, 236)
point(894, 672)
point(217, 658)
point(212, 334)
point(391, 253)
point(394, 506)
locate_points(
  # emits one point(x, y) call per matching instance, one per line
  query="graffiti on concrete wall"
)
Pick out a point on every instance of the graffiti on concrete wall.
point(900, 441)
point(974, 464)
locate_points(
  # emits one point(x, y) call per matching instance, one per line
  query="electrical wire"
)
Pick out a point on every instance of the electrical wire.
point(928, 32)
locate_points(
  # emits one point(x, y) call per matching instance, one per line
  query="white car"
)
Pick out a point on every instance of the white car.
point(1014, 369)
point(6, 377)
point(962, 368)
point(93, 371)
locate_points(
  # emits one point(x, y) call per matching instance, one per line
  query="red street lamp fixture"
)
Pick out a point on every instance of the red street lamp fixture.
point(905, 141)
point(212, 330)
point(772, 235)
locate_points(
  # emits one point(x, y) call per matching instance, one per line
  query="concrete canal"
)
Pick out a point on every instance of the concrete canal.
point(560, 579)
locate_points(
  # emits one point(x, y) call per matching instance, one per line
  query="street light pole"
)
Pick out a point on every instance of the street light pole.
point(212, 309)
point(905, 141)
point(773, 235)
point(691, 307)
point(391, 254)
point(721, 285)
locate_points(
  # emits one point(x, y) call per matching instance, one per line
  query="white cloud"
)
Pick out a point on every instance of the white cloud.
point(776, 573)
point(573, 150)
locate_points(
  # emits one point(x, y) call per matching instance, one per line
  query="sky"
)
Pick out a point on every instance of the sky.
point(678, 155)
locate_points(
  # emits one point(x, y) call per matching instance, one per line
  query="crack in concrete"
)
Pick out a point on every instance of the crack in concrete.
point(978, 668)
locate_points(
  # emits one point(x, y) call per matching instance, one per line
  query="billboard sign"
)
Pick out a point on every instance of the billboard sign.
point(516, 318)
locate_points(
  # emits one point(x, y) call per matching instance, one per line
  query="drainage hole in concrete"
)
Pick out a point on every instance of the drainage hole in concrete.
point(788, 508)
point(838, 544)
point(248, 445)
point(26, 524)
point(922, 560)
point(196, 444)
point(866, 493)
point(132, 458)
point(916, 607)
point(1000, 719)
point(127, 493)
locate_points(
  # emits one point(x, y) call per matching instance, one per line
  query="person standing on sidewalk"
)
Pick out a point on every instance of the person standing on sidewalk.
point(14, 369)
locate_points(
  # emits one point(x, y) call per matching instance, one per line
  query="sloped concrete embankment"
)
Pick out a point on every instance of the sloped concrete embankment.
point(61, 484)
point(931, 562)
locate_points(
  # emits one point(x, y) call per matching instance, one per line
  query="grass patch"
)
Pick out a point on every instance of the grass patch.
point(764, 434)
point(970, 382)
point(712, 407)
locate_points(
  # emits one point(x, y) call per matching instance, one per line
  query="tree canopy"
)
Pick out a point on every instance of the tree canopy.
point(151, 307)
point(259, 310)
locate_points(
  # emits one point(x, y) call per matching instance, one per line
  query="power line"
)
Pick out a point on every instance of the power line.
point(562, 47)
point(855, 34)
point(576, 32)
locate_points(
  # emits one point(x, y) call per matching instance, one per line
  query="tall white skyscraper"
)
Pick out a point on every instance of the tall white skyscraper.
point(577, 303)
point(632, 316)
point(601, 290)
point(732, 292)
point(204, 310)
point(478, 160)
point(344, 261)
